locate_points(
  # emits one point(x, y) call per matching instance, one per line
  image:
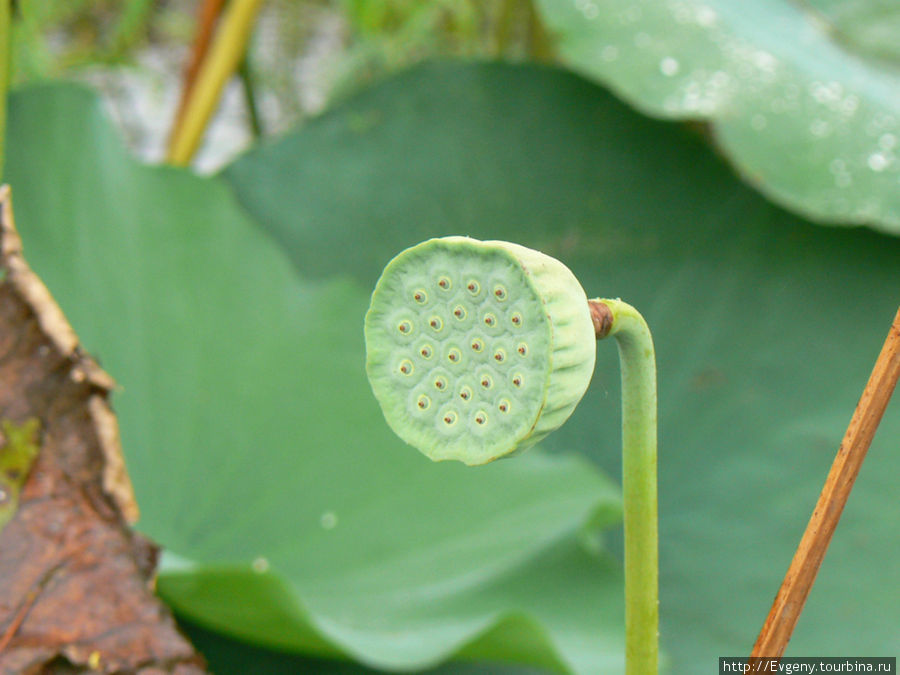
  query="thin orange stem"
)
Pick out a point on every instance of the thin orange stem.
point(779, 625)
point(208, 13)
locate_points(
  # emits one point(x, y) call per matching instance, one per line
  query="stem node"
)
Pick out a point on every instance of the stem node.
point(602, 317)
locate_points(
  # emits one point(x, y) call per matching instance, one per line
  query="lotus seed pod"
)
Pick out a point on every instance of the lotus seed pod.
point(477, 349)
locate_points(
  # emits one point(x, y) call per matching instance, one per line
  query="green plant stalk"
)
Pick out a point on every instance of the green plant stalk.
point(223, 58)
point(639, 485)
point(5, 51)
point(250, 98)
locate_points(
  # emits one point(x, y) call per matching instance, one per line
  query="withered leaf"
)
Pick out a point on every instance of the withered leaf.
point(76, 583)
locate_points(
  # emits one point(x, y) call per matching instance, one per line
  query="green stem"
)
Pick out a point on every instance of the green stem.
point(5, 51)
point(250, 97)
point(638, 364)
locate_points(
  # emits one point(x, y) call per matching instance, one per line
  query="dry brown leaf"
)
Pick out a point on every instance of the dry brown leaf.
point(76, 583)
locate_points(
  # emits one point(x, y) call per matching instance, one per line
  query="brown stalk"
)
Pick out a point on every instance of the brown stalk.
point(779, 625)
point(208, 14)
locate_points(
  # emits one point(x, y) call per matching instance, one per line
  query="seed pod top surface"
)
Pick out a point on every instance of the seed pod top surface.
point(477, 349)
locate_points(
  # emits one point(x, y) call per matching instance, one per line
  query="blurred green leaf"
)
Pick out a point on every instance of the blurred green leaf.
point(291, 514)
point(868, 26)
point(765, 334)
point(766, 326)
point(231, 657)
point(802, 95)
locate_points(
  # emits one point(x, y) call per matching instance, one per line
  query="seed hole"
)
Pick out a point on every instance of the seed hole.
point(517, 380)
point(477, 345)
point(490, 320)
point(465, 393)
point(481, 417)
point(504, 405)
point(405, 327)
point(522, 349)
point(487, 382)
point(500, 292)
point(454, 355)
point(444, 283)
point(473, 287)
point(426, 351)
point(450, 418)
point(436, 323)
point(516, 319)
point(440, 383)
point(459, 312)
point(420, 296)
point(424, 402)
point(499, 356)
point(406, 367)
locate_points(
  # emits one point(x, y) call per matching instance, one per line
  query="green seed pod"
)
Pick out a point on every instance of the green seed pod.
point(510, 347)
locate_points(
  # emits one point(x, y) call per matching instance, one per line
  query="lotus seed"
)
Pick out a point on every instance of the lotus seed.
point(444, 283)
point(454, 355)
point(459, 312)
point(500, 293)
point(420, 296)
point(477, 345)
point(499, 356)
point(426, 351)
point(405, 327)
point(436, 323)
point(406, 367)
point(473, 287)
point(481, 417)
point(490, 320)
point(424, 402)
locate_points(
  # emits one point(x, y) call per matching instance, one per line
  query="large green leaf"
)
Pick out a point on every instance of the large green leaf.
point(231, 657)
point(766, 326)
point(291, 514)
point(802, 95)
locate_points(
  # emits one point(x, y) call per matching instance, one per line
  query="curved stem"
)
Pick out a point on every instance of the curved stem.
point(638, 363)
